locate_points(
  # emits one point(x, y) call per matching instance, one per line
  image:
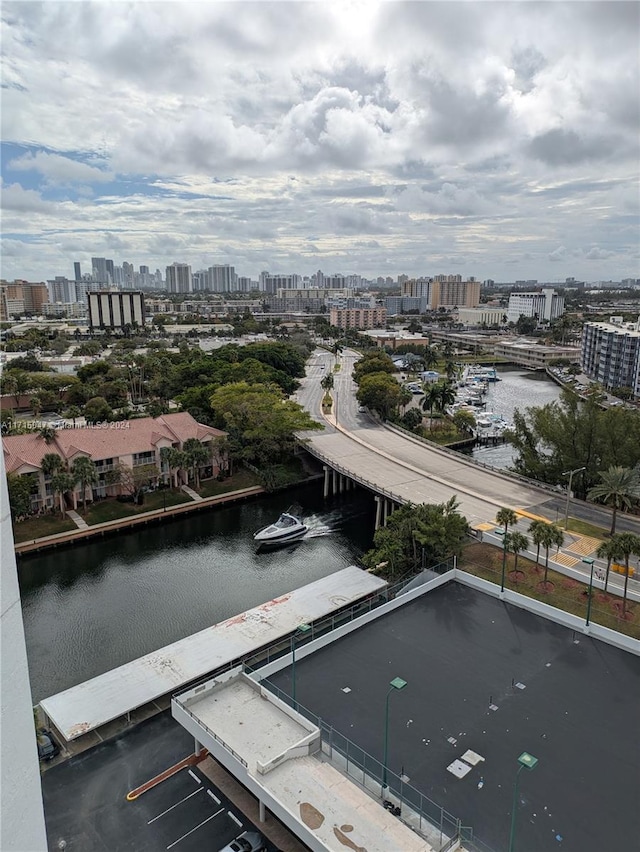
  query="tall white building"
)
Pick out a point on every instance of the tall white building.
point(222, 279)
point(179, 278)
point(546, 305)
point(22, 826)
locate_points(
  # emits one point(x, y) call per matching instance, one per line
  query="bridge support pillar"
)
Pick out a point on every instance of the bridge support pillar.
point(386, 512)
point(326, 481)
point(335, 482)
point(261, 812)
point(341, 482)
point(196, 746)
point(378, 511)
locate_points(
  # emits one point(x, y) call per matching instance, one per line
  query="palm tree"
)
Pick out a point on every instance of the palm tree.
point(196, 455)
point(609, 550)
point(516, 542)
point(446, 395)
point(627, 544)
point(51, 465)
point(620, 488)
point(175, 460)
point(83, 471)
point(73, 411)
point(549, 536)
point(431, 395)
point(506, 517)
point(35, 404)
point(61, 482)
point(326, 382)
point(537, 528)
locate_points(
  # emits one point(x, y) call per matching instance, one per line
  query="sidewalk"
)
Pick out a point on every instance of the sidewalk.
point(77, 520)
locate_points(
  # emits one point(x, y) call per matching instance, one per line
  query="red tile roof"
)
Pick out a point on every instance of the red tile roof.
point(106, 441)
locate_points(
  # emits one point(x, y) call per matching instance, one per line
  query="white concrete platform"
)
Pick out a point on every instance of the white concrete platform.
point(95, 702)
point(276, 754)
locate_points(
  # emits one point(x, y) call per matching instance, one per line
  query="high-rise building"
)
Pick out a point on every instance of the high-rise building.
point(99, 270)
point(611, 354)
point(109, 266)
point(454, 292)
point(545, 305)
point(61, 289)
point(115, 310)
point(128, 276)
point(222, 278)
point(358, 317)
point(179, 278)
point(77, 272)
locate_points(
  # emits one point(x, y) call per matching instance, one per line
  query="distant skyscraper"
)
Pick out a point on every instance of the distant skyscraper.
point(99, 267)
point(222, 279)
point(109, 266)
point(77, 271)
point(179, 278)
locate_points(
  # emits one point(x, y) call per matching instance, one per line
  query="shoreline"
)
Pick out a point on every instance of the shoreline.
point(155, 516)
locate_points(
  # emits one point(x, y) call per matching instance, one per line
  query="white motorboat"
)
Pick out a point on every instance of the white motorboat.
point(287, 528)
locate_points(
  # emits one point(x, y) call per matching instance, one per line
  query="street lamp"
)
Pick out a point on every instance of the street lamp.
point(569, 473)
point(300, 630)
point(590, 592)
point(396, 684)
point(526, 761)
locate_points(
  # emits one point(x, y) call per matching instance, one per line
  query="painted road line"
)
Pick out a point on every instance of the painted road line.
point(195, 777)
point(195, 793)
point(195, 828)
point(235, 819)
point(215, 798)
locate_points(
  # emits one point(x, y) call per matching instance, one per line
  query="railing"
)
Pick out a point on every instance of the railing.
point(211, 733)
point(356, 477)
point(417, 811)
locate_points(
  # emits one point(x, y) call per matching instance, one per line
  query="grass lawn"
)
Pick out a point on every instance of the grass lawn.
point(242, 478)
point(111, 510)
point(584, 528)
point(40, 527)
point(485, 561)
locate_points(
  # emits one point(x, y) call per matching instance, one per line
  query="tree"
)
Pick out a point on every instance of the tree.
point(372, 362)
point(326, 382)
point(379, 392)
point(464, 421)
point(61, 482)
point(73, 412)
point(609, 550)
point(446, 395)
point(35, 404)
point(412, 419)
point(47, 433)
point(516, 542)
point(550, 535)
point(437, 531)
point(196, 455)
point(506, 517)
point(619, 488)
point(20, 490)
point(84, 472)
point(221, 454)
point(627, 544)
point(131, 480)
point(174, 460)
point(97, 410)
point(537, 528)
point(431, 396)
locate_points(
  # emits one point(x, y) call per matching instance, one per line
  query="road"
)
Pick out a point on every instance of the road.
point(413, 471)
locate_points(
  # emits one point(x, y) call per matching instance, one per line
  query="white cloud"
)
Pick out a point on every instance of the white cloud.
point(60, 170)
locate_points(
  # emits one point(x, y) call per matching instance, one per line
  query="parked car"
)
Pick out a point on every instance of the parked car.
point(248, 841)
point(47, 746)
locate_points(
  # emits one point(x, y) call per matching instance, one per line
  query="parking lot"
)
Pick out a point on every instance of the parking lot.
point(86, 805)
point(187, 813)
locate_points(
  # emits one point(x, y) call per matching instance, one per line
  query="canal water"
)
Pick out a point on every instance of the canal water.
point(518, 389)
point(95, 606)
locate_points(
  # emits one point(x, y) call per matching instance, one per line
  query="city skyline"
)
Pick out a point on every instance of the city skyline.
point(494, 140)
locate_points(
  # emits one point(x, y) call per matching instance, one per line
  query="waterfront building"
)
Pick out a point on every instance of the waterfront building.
point(610, 354)
point(115, 310)
point(532, 354)
point(129, 443)
point(545, 305)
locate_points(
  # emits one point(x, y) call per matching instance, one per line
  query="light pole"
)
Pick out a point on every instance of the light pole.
point(590, 593)
point(569, 473)
point(396, 684)
point(526, 761)
point(301, 629)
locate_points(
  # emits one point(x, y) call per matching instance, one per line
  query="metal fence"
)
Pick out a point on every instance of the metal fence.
point(417, 811)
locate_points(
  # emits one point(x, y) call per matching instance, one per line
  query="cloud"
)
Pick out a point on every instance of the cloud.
point(60, 170)
point(558, 254)
point(596, 253)
point(19, 200)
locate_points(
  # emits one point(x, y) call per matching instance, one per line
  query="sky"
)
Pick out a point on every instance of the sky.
point(489, 139)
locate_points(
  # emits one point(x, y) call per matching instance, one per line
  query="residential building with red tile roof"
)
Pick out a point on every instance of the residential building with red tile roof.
point(129, 443)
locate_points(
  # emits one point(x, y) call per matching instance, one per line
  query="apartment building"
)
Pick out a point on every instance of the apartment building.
point(610, 354)
point(546, 305)
point(359, 318)
point(131, 443)
point(178, 278)
point(443, 291)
